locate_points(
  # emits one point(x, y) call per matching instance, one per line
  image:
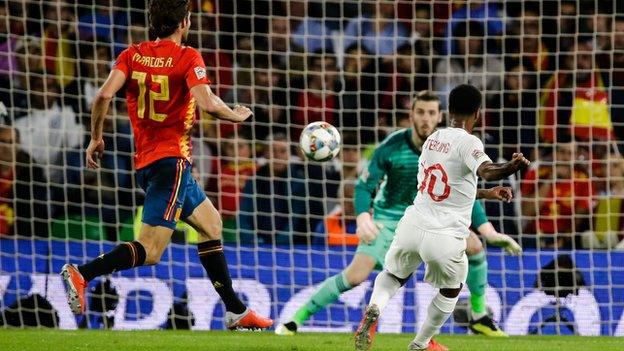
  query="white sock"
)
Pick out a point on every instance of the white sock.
point(438, 312)
point(386, 285)
point(476, 316)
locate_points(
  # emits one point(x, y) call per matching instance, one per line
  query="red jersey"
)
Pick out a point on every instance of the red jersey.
point(564, 199)
point(159, 77)
point(312, 108)
point(229, 182)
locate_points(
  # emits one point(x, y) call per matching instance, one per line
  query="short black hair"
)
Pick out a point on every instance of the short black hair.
point(464, 100)
point(165, 16)
point(350, 138)
point(473, 29)
point(425, 95)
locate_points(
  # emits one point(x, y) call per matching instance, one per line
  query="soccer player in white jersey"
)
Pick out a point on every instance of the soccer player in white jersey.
point(435, 228)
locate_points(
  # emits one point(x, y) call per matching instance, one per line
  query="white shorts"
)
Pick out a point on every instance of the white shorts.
point(444, 255)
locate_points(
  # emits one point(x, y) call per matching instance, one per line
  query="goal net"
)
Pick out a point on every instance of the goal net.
point(552, 77)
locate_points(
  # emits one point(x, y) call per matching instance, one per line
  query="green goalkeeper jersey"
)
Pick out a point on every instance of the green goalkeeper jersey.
point(395, 164)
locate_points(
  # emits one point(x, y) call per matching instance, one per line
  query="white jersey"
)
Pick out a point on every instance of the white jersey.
point(447, 181)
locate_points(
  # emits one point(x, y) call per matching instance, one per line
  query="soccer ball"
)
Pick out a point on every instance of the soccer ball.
point(320, 141)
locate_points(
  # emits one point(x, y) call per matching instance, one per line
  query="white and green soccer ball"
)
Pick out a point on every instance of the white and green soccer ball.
point(320, 141)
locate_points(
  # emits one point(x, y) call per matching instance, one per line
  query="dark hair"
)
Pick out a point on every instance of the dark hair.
point(422, 7)
point(425, 95)
point(469, 29)
point(319, 55)
point(464, 100)
point(165, 16)
point(563, 137)
point(350, 138)
point(358, 45)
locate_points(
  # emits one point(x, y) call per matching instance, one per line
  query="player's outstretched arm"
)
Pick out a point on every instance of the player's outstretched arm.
point(497, 171)
point(489, 233)
point(367, 230)
point(99, 110)
point(211, 103)
point(500, 193)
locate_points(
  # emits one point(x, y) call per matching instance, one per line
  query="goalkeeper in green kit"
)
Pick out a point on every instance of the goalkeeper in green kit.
point(395, 161)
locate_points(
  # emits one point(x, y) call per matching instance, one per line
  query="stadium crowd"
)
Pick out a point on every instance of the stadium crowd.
point(552, 73)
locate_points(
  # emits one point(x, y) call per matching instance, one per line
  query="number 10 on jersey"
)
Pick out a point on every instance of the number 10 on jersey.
point(429, 182)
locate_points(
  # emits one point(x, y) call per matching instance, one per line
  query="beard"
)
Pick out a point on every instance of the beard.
point(423, 134)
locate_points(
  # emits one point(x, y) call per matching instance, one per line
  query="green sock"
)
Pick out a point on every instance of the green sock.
point(477, 281)
point(326, 294)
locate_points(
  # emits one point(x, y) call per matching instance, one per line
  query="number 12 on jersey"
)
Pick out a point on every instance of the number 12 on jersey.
point(141, 77)
point(429, 182)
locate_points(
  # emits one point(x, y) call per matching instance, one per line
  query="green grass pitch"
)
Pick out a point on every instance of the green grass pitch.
point(96, 340)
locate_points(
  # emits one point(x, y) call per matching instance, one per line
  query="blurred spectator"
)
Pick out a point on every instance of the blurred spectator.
point(566, 26)
point(322, 181)
point(338, 227)
point(204, 36)
point(350, 155)
point(315, 99)
point(576, 98)
point(231, 171)
point(422, 34)
point(243, 18)
point(48, 129)
point(202, 152)
point(23, 193)
point(359, 101)
point(59, 42)
point(265, 97)
point(608, 222)
point(309, 32)
point(557, 197)
point(94, 67)
point(397, 83)
point(597, 22)
point(515, 126)
point(12, 36)
point(380, 33)
point(137, 32)
point(104, 23)
point(8, 43)
point(284, 51)
point(525, 42)
point(29, 60)
point(273, 201)
point(105, 195)
point(469, 64)
point(487, 13)
point(335, 14)
point(617, 89)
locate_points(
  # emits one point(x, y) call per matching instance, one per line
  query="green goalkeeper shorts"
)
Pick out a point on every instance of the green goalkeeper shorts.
point(377, 248)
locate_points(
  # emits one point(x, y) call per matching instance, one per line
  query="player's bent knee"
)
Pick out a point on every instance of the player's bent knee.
point(356, 277)
point(212, 231)
point(360, 269)
point(153, 252)
point(474, 247)
point(153, 257)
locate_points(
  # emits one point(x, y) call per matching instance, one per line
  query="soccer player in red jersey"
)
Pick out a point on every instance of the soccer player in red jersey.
point(164, 81)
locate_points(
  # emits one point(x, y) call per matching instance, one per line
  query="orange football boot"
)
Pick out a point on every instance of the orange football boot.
point(246, 320)
point(75, 284)
point(366, 331)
